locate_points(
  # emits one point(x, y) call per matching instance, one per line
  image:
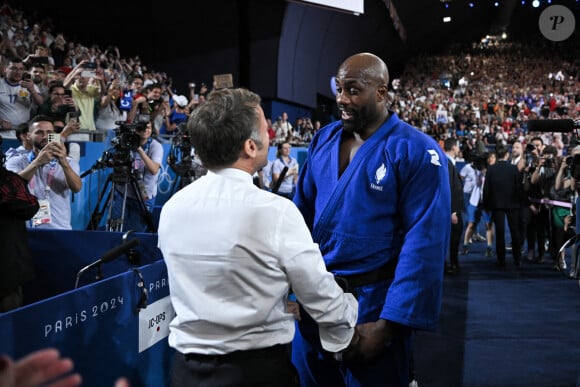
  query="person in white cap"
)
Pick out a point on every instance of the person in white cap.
point(178, 114)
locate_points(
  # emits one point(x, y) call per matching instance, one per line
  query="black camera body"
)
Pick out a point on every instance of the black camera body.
point(127, 139)
point(181, 158)
point(573, 166)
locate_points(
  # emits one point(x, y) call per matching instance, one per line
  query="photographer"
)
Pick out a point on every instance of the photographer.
point(144, 165)
point(563, 192)
point(537, 213)
point(149, 104)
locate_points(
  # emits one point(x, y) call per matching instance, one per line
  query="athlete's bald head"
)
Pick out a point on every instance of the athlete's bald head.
point(366, 67)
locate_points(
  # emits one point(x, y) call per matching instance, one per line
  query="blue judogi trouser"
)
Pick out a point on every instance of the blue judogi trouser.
point(317, 367)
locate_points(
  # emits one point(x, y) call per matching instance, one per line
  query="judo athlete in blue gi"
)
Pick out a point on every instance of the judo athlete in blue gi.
point(375, 193)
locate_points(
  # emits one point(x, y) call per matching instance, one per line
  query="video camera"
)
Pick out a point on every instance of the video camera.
point(181, 156)
point(573, 166)
point(127, 138)
point(120, 157)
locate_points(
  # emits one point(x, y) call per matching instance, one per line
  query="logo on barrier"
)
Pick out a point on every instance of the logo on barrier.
point(165, 176)
point(154, 323)
point(75, 319)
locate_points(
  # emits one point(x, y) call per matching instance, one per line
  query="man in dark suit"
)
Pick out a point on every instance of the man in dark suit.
point(502, 196)
point(451, 149)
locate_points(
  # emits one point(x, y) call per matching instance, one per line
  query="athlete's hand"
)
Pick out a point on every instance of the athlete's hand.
point(373, 339)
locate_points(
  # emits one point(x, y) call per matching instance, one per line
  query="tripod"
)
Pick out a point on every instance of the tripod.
point(120, 180)
point(186, 171)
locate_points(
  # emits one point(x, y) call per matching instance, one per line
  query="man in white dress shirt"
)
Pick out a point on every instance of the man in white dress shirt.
point(234, 252)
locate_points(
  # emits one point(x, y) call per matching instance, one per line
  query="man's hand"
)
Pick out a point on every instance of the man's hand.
point(73, 126)
point(294, 308)
point(373, 338)
point(38, 368)
point(58, 151)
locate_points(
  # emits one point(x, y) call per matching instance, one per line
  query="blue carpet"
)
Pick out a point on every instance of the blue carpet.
point(503, 327)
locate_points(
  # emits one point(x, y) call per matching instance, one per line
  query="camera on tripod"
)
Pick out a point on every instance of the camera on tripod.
point(120, 157)
point(124, 177)
point(182, 159)
point(127, 139)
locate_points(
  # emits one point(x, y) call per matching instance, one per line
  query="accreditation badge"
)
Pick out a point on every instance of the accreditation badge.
point(42, 216)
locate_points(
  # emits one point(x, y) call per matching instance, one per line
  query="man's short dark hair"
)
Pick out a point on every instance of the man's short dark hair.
point(449, 143)
point(219, 127)
point(501, 150)
point(20, 130)
point(39, 118)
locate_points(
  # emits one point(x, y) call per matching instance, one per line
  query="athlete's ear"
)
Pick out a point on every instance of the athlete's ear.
point(383, 92)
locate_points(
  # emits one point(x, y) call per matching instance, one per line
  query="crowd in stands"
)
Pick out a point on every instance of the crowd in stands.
point(484, 94)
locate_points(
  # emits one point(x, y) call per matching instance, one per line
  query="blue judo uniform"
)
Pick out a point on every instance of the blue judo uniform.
point(392, 202)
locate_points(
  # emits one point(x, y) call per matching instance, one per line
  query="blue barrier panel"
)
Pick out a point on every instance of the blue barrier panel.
point(59, 255)
point(101, 329)
point(95, 182)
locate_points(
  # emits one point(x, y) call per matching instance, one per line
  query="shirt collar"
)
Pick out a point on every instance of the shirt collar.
point(450, 158)
point(234, 173)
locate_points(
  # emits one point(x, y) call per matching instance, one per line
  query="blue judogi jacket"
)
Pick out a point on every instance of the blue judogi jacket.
point(392, 202)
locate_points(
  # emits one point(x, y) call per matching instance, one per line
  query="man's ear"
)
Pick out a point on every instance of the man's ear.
point(382, 92)
point(250, 148)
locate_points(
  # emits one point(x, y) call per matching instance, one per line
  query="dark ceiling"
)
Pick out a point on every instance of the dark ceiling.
point(161, 31)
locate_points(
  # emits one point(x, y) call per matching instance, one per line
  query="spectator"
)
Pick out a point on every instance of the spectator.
point(150, 105)
point(58, 103)
point(283, 128)
point(86, 89)
point(283, 159)
point(175, 116)
point(108, 113)
point(51, 175)
point(16, 97)
point(24, 139)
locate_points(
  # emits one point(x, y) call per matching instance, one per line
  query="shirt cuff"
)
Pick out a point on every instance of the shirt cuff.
point(336, 338)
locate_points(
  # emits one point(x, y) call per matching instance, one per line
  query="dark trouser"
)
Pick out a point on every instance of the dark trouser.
point(455, 240)
point(525, 214)
point(499, 217)
point(537, 230)
point(261, 367)
point(317, 367)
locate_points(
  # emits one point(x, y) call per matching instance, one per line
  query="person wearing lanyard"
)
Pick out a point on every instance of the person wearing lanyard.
point(51, 175)
point(145, 166)
point(283, 159)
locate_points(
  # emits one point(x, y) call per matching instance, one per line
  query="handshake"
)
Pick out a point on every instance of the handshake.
point(369, 341)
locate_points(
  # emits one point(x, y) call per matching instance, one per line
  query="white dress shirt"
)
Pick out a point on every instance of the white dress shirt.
point(232, 252)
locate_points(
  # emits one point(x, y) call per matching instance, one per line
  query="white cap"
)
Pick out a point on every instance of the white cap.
point(180, 100)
